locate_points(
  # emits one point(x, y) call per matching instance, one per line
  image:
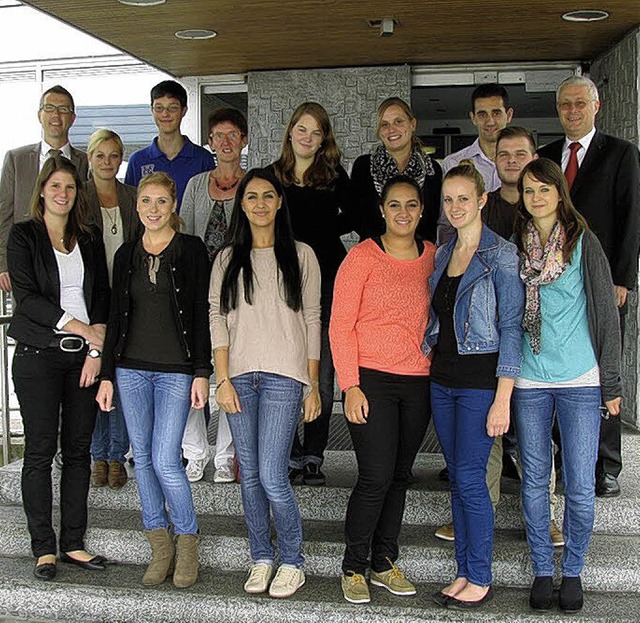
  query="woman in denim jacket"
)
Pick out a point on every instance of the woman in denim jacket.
point(475, 334)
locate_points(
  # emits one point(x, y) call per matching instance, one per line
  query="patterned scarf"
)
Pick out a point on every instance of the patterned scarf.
point(539, 266)
point(384, 167)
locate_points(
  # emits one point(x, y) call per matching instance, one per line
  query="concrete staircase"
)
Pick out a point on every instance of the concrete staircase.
point(611, 576)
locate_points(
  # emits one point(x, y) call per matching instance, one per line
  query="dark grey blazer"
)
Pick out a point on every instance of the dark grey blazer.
point(19, 174)
point(127, 204)
point(606, 192)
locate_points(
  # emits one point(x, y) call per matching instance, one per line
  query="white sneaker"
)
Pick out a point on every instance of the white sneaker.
point(260, 575)
point(225, 473)
point(287, 581)
point(195, 468)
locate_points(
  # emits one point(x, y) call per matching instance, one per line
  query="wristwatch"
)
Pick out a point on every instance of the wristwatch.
point(94, 353)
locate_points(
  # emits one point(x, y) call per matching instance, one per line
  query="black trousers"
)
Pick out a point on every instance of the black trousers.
point(610, 447)
point(386, 447)
point(316, 433)
point(47, 383)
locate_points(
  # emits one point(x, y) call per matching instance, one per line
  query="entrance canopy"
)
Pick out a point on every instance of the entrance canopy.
point(293, 34)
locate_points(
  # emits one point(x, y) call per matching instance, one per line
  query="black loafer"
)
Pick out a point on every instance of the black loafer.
point(541, 593)
point(457, 604)
point(571, 598)
point(440, 598)
point(46, 571)
point(97, 563)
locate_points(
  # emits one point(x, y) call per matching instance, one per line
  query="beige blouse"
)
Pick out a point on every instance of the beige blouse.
point(268, 336)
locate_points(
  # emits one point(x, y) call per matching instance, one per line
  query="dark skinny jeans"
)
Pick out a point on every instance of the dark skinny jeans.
point(386, 447)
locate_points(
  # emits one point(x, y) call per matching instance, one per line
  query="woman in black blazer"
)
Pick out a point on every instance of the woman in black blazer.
point(61, 294)
point(400, 153)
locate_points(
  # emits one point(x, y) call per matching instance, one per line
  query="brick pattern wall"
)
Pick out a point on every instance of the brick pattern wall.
point(617, 74)
point(350, 96)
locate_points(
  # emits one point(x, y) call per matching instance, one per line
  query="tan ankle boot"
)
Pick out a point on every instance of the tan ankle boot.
point(187, 565)
point(162, 554)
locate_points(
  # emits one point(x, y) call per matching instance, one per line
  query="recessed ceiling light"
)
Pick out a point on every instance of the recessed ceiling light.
point(196, 33)
point(142, 2)
point(585, 15)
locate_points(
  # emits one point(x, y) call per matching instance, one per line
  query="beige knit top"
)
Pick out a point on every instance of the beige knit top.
point(268, 336)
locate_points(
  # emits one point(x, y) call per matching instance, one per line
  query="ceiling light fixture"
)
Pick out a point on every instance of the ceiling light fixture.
point(585, 15)
point(142, 2)
point(196, 33)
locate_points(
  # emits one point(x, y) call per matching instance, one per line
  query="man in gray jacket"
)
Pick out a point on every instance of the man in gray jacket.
point(56, 113)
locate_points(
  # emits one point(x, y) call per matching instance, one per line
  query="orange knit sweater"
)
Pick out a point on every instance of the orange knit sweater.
point(380, 313)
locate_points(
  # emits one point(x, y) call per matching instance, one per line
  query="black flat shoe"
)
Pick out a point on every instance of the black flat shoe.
point(571, 598)
point(97, 563)
point(541, 593)
point(607, 486)
point(441, 599)
point(46, 571)
point(458, 604)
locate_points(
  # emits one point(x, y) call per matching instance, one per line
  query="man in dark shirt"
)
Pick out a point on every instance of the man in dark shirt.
point(515, 148)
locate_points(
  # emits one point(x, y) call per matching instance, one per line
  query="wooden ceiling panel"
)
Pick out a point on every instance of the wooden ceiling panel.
point(288, 34)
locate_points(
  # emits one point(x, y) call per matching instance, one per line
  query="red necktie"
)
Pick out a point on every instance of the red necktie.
point(572, 166)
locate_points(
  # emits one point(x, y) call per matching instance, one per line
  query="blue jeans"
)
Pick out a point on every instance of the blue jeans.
point(156, 406)
point(110, 441)
point(578, 412)
point(262, 435)
point(460, 419)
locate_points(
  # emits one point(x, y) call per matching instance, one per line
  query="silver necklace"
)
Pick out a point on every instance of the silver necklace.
point(114, 222)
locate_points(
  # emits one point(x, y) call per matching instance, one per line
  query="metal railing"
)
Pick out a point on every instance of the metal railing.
point(5, 319)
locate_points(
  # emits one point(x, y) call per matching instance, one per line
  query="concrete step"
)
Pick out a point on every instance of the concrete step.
point(116, 596)
point(427, 501)
point(613, 562)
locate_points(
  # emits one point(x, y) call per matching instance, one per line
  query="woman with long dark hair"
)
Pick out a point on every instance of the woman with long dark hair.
point(571, 365)
point(265, 324)
point(380, 312)
point(61, 294)
point(475, 335)
point(400, 153)
point(317, 190)
point(158, 352)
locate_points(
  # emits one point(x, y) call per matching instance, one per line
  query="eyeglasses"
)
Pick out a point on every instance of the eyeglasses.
point(218, 137)
point(63, 110)
point(578, 105)
point(172, 108)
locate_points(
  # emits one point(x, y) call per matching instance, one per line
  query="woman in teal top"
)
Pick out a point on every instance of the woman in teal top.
point(571, 359)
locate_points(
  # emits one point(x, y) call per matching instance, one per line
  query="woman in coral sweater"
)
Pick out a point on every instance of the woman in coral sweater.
point(379, 315)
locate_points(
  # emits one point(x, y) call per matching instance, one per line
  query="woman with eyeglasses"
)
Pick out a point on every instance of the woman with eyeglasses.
point(60, 284)
point(400, 153)
point(206, 212)
point(112, 207)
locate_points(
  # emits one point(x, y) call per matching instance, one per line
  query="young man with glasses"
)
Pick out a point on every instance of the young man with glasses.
point(170, 151)
point(56, 113)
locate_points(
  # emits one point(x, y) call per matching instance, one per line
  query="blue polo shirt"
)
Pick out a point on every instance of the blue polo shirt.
point(191, 160)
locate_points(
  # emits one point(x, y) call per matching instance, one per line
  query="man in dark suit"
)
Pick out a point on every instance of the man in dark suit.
point(603, 173)
point(22, 165)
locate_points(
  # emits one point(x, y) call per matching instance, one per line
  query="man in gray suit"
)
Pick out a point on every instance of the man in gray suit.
point(22, 165)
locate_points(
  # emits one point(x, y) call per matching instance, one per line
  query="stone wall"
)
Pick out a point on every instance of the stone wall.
point(350, 96)
point(617, 74)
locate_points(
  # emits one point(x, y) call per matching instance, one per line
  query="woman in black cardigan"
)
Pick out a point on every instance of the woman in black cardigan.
point(61, 294)
point(158, 351)
point(400, 153)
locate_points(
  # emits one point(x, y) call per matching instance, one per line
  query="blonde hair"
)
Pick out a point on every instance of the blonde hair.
point(416, 143)
point(467, 170)
point(102, 135)
point(162, 179)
